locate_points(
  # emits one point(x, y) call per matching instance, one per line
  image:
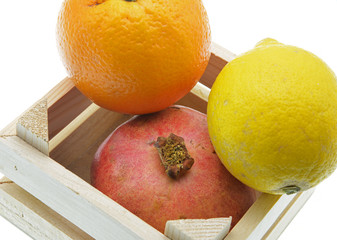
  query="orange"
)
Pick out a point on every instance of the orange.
point(136, 56)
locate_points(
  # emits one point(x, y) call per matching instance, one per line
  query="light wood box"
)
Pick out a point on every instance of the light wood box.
point(46, 154)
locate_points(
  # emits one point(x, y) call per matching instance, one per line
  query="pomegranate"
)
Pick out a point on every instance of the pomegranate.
point(162, 166)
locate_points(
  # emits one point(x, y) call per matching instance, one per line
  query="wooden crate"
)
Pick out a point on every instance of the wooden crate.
point(46, 154)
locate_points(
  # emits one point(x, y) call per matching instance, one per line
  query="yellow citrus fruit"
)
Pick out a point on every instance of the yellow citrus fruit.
point(272, 116)
point(134, 56)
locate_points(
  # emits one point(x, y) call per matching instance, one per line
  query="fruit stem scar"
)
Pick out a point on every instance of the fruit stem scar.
point(174, 155)
point(130, 0)
point(291, 189)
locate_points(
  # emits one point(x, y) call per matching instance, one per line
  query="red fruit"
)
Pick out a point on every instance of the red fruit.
point(127, 167)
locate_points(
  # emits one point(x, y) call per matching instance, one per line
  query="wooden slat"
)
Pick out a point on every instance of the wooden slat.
point(266, 213)
point(69, 195)
point(287, 215)
point(65, 110)
point(201, 91)
point(79, 141)
point(72, 126)
point(57, 108)
point(198, 229)
point(73, 148)
point(10, 129)
point(33, 217)
point(62, 88)
point(33, 126)
point(219, 58)
point(57, 92)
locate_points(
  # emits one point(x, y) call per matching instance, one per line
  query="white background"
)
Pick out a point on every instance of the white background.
point(30, 66)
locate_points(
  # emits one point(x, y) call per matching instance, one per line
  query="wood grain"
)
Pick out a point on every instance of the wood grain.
point(55, 94)
point(198, 229)
point(61, 182)
point(266, 214)
point(65, 110)
point(219, 58)
point(33, 217)
point(69, 195)
point(33, 126)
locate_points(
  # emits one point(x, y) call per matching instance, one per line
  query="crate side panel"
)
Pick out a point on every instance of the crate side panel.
point(287, 215)
point(69, 195)
point(61, 89)
point(213, 68)
point(193, 101)
point(62, 112)
point(260, 218)
point(219, 58)
point(33, 217)
point(77, 151)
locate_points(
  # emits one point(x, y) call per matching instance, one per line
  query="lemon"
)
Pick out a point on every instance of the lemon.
point(272, 118)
